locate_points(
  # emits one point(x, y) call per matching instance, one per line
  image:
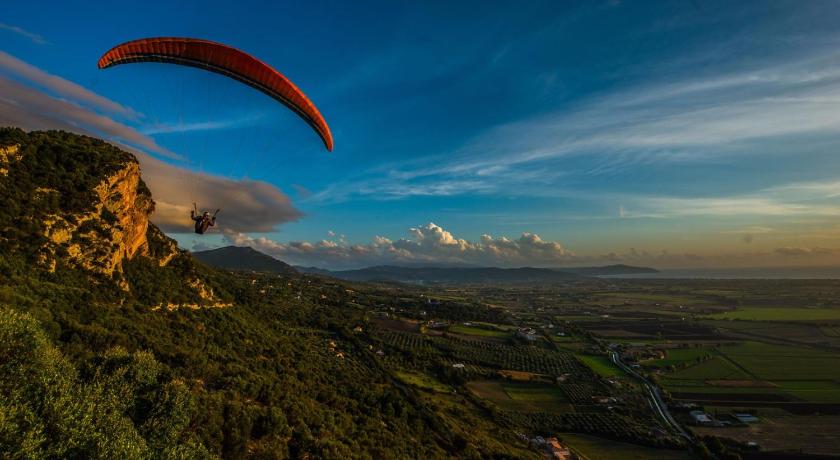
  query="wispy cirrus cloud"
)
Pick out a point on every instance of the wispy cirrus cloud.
point(818, 199)
point(682, 119)
point(215, 125)
point(32, 36)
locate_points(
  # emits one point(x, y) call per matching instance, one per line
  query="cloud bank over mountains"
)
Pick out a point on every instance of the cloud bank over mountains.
point(431, 245)
point(428, 244)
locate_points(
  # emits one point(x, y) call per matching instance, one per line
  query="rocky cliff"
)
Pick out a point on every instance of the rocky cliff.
point(113, 231)
point(77, 202)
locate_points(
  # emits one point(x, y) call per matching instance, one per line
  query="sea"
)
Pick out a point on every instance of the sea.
point(740, 273)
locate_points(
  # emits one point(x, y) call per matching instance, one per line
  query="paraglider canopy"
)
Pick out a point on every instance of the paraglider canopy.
point(224, 60)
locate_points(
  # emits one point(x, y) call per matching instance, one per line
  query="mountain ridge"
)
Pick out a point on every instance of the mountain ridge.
point(478, 275)
point(243, 258)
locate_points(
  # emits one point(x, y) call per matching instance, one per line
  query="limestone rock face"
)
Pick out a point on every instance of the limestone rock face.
point(113, 231)
point(76, 203)
point(8, 155)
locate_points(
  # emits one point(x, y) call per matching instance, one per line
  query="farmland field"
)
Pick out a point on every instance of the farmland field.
point(782, 365)
point(814, 391)
point(596, 448)
point(815, 434)
point(775, 362)
point(716, 368)
point(780, 314)
point(600, 364)
point(792, 373)
point(620, 298)
point(422, 381)
point(680, 356)
point(467, 330)
point(521, 396)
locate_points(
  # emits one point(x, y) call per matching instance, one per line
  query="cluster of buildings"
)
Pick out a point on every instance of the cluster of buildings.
point(527, 333)
point(698, 417)
point(333, 348)
point(556, 450)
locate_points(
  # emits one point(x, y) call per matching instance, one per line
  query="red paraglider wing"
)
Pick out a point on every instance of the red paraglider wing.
point(225, 60)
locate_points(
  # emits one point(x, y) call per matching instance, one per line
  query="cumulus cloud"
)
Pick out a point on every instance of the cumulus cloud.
point(248, 206)
point(427, 244)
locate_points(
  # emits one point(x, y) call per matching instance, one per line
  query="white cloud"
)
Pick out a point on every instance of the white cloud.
point(35, 38)
point(428, 244)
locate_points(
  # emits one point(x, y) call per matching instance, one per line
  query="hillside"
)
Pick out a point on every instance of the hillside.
point(243, 259)
point(116, 344)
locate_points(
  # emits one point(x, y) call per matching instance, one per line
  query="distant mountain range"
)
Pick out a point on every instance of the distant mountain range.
point(610, 270)
point(474, 275)
point(248, 259)
point(243, 259)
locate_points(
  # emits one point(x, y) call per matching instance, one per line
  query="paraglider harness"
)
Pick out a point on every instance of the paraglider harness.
point(202, 221)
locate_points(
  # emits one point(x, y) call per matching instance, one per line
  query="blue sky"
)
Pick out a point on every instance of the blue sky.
point(669, 133)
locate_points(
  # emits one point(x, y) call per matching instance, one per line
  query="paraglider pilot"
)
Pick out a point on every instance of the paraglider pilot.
point(203, 221)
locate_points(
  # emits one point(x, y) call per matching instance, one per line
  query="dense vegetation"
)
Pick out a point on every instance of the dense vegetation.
point(90, 369)
point(72, 165)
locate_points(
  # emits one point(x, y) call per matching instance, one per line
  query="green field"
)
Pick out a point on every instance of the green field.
point(521, 396)
point(830, 331)
point(777, 362)
point(618, 298)
point(422, 381)
point(595, 448)
point(600, 364)
point(680, 356)
point(780, 314)
point(563, 338)
point(468, 330)
point(700, 386)
point(804, 373)
point(814, 391)
point(534, 393)
point(716, 368)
